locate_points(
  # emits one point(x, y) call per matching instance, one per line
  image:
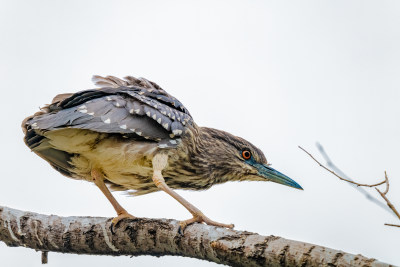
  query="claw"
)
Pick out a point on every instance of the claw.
point(180, 230)
point(116, 220)
point(112, 228)
point(201, 218)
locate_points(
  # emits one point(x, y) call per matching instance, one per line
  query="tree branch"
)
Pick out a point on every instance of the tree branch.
point(338, 176)
point(336, 169)
point(383, 194)
point(159, 237)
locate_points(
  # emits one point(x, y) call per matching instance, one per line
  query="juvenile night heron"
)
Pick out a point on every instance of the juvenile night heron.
point(132, 135)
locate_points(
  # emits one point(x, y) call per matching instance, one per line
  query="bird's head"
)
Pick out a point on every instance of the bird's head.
point(234, 158)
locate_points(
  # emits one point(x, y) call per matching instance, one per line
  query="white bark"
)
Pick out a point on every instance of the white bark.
point(142, 236)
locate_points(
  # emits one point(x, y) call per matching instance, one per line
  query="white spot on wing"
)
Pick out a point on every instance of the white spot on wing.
point(132, 129)
point(138, 133)
point(165, 125)
point(177, 132)
point(137, 110)
point(131, 111)
point(108, 98)
point(154, 116)
point(91, 113)
point(172, 142)
point(123, 126)
point(34, 126)
point(83, 110)
point(148, 113)
point(107, 121)
point(159, 120)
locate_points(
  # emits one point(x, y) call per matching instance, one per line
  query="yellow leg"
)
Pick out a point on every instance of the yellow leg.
point(159, 163)
point(98, 179)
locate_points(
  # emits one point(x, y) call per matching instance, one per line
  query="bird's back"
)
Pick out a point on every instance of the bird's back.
point(116, 126)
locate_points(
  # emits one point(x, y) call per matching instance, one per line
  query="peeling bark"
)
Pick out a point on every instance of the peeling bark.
point(159, 237)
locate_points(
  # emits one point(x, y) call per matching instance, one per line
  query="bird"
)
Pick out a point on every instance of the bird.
point(131, 135)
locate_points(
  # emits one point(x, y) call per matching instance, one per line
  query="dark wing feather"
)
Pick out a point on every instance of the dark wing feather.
point(131, 107)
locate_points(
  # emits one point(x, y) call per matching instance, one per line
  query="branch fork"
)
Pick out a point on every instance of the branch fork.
point(382, 194)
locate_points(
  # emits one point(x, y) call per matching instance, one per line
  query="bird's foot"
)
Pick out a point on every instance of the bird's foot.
point(201, 218)
point(121, 216)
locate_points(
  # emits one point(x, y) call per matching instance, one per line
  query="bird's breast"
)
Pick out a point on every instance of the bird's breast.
point(124, 162)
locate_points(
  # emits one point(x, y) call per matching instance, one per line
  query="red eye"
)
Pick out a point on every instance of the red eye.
point(246, 154)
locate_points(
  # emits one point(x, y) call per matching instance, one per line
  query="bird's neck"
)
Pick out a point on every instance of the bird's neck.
point(194, 160)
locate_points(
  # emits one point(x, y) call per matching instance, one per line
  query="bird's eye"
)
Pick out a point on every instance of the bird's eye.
point(246, 154)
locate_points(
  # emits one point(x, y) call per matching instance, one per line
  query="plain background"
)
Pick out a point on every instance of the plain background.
point(278, 73)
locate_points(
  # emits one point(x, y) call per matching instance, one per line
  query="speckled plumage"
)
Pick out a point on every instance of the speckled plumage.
point(119, 128)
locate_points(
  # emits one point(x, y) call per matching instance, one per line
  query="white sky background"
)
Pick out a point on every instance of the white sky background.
point(278, 73)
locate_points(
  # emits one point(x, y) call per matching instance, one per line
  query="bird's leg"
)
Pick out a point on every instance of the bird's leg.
point(98, 179)
point(159, 163)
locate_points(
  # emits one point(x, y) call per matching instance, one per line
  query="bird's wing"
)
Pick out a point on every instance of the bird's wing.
point(135, 108)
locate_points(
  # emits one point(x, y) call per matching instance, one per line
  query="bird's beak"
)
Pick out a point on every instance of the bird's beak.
point(275, 176)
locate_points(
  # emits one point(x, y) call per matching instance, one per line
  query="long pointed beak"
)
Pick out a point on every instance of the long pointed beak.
point(275, 176)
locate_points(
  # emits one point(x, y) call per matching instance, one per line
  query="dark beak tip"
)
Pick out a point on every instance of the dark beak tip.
point(297, 186)
point(277, 177)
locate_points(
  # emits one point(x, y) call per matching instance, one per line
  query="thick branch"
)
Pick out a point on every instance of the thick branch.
point(92, 235)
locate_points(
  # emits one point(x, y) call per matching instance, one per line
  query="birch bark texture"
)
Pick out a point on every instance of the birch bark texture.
point(160, 237)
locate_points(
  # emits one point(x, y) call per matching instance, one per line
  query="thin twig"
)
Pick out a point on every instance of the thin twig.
point(336, 169)
point(389, 224)
point(383, 194)
point(387, 185)
point(338, 176)
point(390, 205)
